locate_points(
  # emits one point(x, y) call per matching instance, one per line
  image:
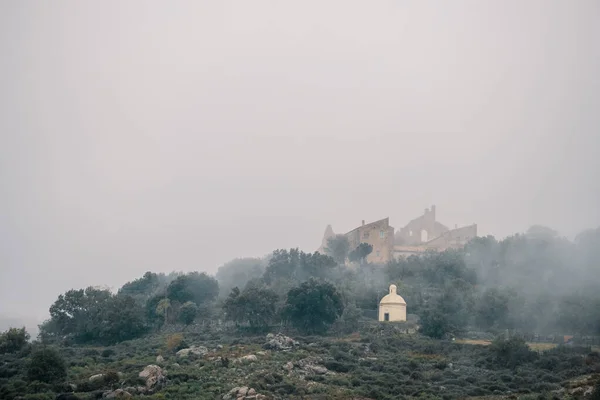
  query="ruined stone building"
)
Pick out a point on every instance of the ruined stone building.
point(378, 234)
point(426, 233)
point(420, 235)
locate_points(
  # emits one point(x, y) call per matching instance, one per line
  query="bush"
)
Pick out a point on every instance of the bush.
point(175, 342)
point(596, 393)
point(107, 353)
point(46, 365)
point(188, 312)
point(13, 340)
point(511, 352)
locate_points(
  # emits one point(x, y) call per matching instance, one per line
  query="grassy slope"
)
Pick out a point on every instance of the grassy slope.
point(388, 366)
point(383, 365)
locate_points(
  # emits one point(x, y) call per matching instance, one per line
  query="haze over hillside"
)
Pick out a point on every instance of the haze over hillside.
point(177, 137)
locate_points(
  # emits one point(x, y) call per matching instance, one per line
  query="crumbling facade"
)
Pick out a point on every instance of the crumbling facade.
point(425, 233)
point(420, 235)
point(378, 234)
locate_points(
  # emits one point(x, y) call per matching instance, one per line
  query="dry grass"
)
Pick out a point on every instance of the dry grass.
point(536, 346)
point(473, 341)
point(541, 346)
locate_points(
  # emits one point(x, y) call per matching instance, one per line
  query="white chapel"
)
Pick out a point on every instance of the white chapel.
point(392, 306)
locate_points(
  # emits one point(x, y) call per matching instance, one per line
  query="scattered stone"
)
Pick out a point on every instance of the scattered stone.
point(310, 365)
point(160, 359)
point(280, 342)
point(154, 376)
point(261, 353)
point(289, 366)
point(219, 347)
point(195, 350)
point(250, 358)
point(96, 377)
point(175, 365)
point(243, 393)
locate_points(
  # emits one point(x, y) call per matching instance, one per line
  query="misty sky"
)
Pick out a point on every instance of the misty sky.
point(152, 135)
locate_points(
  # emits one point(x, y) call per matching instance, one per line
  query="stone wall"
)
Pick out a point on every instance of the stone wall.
point(454, 238)
point(378, 234)
point(420, 230)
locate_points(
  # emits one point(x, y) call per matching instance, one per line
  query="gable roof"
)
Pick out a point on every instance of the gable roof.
point(386, 220)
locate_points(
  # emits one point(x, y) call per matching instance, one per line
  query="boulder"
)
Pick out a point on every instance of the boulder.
point(288, 366)
point(195, 350)
point(160, 359)
point(154, 377)
point(310, 365)
point(243, 393)
point(96, 377)
point(280, 342)
point(250, 358)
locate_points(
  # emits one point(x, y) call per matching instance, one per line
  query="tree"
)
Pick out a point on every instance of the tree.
point(153, 317)
point(255, 305)
point(350, 318)
point(94, 315)
point(141, 286)
point(286, 269)
point(196, 287)
point(492, 308)
point(77, 313)
point(13, 340)
point(360, 253)
point(188, 312)
point(121, 319)
point(47, 366)
point(338, 247)
point(434, 323)
point(313, 306)
point(447, 313)
point(511, 352)
point(238, 272)
point(162, 308)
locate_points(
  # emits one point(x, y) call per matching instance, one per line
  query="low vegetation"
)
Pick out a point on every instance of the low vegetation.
point(180, 336)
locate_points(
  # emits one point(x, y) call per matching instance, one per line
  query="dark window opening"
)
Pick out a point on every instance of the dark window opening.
point(386, 316)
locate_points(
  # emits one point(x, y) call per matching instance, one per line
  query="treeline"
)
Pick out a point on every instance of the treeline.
point(532, 282)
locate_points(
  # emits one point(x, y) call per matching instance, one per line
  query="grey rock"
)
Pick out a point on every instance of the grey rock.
point(250, 358)
point(195, 350)
point(154, 376)
point(96, 377)
point(160, 359)
point(280, 342)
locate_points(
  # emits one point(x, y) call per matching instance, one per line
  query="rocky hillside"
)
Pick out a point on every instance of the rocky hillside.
point(381, 365)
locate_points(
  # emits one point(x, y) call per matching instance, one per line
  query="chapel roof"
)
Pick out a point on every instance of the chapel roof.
point(392, 297)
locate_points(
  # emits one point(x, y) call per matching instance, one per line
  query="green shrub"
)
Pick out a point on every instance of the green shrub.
point(13, 340)
point(107, 353)
point(46, 365)
point(511, 352)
